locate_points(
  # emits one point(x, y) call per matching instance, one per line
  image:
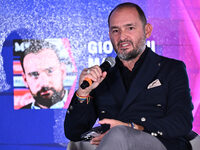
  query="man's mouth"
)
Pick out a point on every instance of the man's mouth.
point(124, 45)
point(45, 93)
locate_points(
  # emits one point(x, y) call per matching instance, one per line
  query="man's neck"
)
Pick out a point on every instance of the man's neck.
point(41, 106)
point(131, 63)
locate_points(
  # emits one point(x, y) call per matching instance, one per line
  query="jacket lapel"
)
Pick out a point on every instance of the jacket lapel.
point(144, 76)
point(116, 85)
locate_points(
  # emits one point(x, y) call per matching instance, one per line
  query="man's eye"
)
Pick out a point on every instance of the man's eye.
point(49, 71)
point(131, 28)
point(115, 31)
point(34, 74)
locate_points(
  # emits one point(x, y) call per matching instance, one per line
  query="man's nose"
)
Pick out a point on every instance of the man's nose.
point(44, 80)
point(123, 35)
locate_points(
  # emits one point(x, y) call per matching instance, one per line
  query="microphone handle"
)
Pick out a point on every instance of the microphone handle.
point(87, 82)
point(84, 84)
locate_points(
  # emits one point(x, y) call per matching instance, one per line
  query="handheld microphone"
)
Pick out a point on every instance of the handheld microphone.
point(108, 63)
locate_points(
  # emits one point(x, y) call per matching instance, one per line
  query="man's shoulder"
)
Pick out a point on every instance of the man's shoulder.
point(173, 62)
point(28, 106)
point(167, 60)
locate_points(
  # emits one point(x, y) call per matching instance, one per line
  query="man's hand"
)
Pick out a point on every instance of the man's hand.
point(112, 122)
point(95, 74)
point(97, 140)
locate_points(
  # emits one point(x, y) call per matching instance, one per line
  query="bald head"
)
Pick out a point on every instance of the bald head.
point(130, 5)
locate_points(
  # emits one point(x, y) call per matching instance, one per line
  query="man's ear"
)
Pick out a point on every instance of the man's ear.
point(25, 81)
point(109, 34)
point(148, 30)
point(63, 70)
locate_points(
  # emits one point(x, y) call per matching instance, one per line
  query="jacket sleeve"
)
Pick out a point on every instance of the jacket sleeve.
point(80, 117)
point(178, 119)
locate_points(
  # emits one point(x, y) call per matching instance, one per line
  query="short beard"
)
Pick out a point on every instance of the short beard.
point(48, 102)
point(134, 53)
point(128, 56)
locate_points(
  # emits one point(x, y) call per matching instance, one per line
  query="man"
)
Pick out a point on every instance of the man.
point(145, 98)
point(43, 74)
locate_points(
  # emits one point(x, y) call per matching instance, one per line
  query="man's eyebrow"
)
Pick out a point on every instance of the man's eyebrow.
point(126, 25)
point(114, 27)
point(130, 24)
point(32, 73)
point(49, 68)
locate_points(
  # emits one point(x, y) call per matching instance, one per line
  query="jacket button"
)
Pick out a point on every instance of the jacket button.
point(153, 134)
point(143, 119)
point(159, 105)
point(160, 133)
point(103, 111)
point(71, 107)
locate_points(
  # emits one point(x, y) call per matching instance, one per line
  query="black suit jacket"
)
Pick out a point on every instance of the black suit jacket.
point(165, 111)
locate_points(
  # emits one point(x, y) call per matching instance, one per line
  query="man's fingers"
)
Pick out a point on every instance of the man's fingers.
point(96, 140)
point(105, 121)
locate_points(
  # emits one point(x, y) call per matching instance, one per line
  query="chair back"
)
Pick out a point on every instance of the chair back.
point(194, 139)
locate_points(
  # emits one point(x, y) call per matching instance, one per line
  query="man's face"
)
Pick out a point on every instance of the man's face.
point(44, 76)
point(127, 33)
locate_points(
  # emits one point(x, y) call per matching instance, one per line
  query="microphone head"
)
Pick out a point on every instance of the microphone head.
point(111, 61)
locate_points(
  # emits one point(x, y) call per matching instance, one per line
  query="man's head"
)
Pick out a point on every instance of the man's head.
point(128, 30)
point(43, 73)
